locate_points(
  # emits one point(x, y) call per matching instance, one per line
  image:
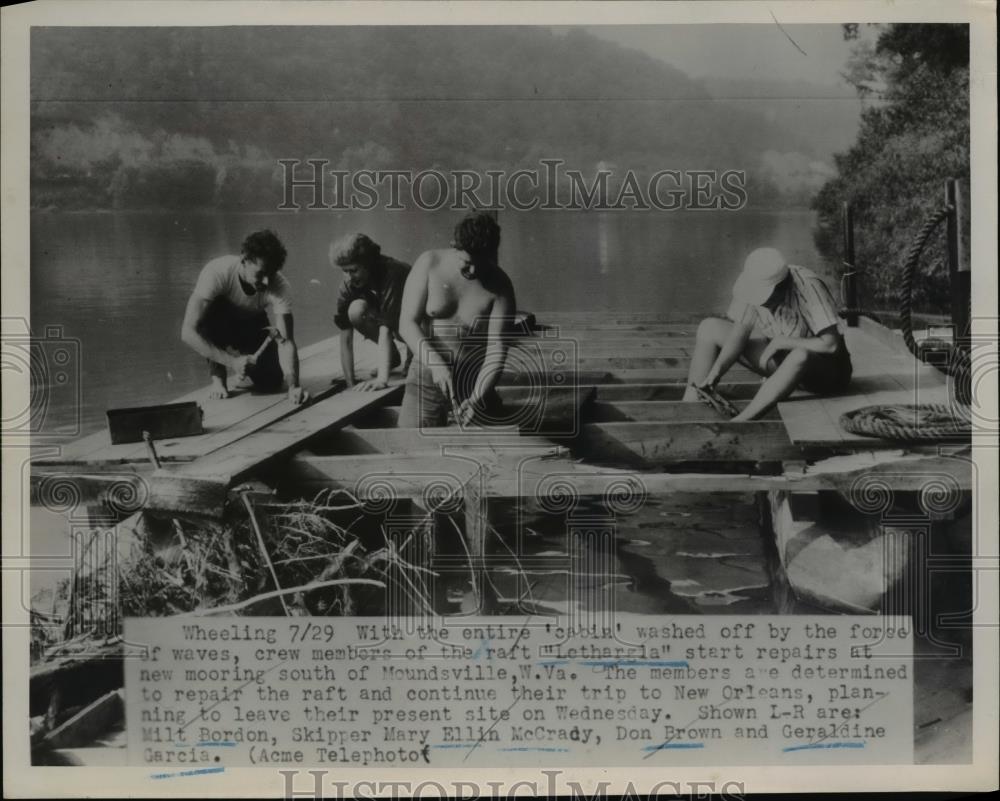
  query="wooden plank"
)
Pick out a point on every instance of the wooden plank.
point(477, 527)
point(531, 475)
point(617, 317)
point(291, 433)
point(517, 377)
point(89, 723)
point(612, 393)
point(225, 420)
point(882, 376)
point(415, 440)
point(571, 324)
point(664, 411)
point(121, 491)
point(632, 362)
point(200, 487)
point(661, 444)
point(631, 348)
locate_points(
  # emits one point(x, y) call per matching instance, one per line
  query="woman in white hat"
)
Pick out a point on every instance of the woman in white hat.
point(782, 324)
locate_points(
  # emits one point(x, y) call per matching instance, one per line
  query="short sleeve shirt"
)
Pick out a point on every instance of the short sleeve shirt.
point(807, 309)
point(220, 278)
point(384, 294)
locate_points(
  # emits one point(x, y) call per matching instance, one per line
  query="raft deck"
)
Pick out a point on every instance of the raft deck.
point(697, 514)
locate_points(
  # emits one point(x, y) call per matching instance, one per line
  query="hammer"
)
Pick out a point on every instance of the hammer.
point(272, 334)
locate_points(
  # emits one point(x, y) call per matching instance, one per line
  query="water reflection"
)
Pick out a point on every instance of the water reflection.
point(119, 281)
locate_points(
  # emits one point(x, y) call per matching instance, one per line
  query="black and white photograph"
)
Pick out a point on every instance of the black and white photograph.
point(544, 389)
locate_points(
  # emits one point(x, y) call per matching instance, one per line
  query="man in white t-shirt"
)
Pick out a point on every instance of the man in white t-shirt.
point(782, 324)
point(238, 304)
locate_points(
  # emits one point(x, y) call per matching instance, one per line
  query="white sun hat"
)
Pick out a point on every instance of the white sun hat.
point(763, 270)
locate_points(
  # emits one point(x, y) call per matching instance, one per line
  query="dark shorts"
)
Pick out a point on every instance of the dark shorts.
point(826, 373)
point(425, 406)
point(236, 331)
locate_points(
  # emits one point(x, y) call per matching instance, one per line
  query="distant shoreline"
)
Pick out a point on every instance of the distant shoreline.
point(209, 210)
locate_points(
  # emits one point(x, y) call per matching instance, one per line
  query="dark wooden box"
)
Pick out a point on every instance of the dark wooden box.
point(162, 422)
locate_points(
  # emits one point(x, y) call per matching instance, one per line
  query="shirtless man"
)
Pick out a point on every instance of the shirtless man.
point(238, 304)
point(782, 324)
point(458, 306)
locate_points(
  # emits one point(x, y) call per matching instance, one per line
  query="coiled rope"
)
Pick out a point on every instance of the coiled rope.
point(930, 421)
point(907, 422)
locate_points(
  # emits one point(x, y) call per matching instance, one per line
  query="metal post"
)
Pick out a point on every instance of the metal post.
point(850, 280)
point(958, 273)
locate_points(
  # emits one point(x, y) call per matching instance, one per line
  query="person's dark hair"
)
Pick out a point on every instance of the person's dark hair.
point(265, 247)
point(355, 249)
point(478, 234)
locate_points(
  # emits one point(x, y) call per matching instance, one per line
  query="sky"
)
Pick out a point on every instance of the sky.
point(746, 51)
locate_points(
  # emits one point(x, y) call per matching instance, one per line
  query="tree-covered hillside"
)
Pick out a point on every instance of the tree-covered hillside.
point(133, 117)
point(914, 135)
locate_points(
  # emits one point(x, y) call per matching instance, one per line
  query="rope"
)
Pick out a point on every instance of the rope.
point(959, 362)
point(909, 272)
point(928, 421)
point(907, 422)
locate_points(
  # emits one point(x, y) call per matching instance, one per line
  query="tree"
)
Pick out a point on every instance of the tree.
point(913, 136)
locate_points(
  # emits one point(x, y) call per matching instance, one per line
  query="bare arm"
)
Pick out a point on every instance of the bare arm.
point(825, 342)
point(501, 316)
point(411, 315)
point(288, 351)
point(190, 336)
point(347, 355)
point(384, 354)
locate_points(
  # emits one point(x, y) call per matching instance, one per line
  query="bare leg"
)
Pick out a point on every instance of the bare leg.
point(368, 324)
point(778, 386)
point(362, 321)
point(712, 332)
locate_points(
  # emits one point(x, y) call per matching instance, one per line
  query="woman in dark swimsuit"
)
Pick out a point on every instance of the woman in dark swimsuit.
point(457, 308)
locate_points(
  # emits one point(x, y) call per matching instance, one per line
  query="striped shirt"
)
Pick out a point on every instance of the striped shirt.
point(806, 309)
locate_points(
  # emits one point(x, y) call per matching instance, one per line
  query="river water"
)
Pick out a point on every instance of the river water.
point(118, 282)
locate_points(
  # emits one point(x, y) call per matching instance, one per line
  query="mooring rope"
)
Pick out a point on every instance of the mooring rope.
point(929, 421)
point(906, 422)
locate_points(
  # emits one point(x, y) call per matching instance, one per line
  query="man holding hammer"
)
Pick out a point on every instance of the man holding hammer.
point(239, 317)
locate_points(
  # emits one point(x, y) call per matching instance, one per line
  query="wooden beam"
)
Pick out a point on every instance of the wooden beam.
point(530, 475)
point(631, 347)
point(662, 411)
point(653, 444)
point(613, 393)
point(610, 375)
point(415, 440)
point(199, 487)
point(122, 491)
point(89, 723)
point(631, 362)
point(619, 317)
